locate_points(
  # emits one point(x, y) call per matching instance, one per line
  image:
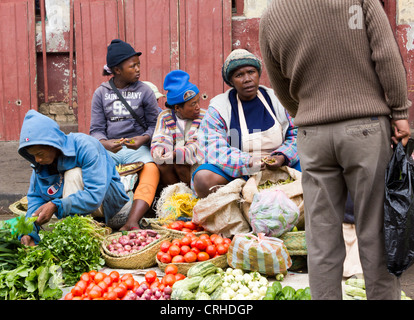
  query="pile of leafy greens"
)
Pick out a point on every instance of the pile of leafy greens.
point(63, 254)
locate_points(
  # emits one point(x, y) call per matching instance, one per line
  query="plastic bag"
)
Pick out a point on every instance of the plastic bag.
point(265, 255)
point(273, 213)
point(399, 210)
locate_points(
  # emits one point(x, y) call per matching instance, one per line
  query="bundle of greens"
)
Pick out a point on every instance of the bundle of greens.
point(75, 242)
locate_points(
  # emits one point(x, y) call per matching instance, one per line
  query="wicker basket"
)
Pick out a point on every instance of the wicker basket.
point(142, 259)
point(175, 234)
point(295, 243)
point(183, 268)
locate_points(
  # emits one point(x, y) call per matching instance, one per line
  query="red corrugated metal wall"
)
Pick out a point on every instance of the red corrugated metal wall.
point(18, 89)
point(191, 35)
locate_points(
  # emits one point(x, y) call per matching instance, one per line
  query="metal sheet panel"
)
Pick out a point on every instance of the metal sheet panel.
point(97, 22)
point(152, 28)
point(17, 65)
point(205, 42)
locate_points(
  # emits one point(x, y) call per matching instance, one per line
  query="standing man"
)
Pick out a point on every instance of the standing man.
point(337, 69)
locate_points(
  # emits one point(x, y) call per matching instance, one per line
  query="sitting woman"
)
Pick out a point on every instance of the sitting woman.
point(174, 144)
point(245, 129)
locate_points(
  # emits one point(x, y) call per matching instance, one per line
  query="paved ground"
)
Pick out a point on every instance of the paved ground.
point(14, 182)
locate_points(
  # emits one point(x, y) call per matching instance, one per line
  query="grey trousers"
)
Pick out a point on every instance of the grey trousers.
point(349, 155)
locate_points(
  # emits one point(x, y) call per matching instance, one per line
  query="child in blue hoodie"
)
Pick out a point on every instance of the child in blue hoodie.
point(72, 174)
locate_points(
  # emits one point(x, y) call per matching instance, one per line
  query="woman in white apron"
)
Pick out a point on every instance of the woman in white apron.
point(245, 129)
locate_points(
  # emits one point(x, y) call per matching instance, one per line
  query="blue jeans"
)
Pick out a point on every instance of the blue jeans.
point(126, 155)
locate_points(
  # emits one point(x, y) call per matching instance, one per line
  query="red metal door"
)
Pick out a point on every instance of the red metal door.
point(205, 42)
point(97, 22)
point(152, 28)
point(18, 90)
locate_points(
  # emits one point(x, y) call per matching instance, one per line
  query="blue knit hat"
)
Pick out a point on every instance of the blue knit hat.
point(179, 89)
point(119, 51)
point(239, 58)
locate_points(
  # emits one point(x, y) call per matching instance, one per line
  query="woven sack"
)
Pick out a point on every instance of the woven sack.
point(258, 253)
point(141, 259)
point(220, 211)
point(295, 243)
point(183, 267)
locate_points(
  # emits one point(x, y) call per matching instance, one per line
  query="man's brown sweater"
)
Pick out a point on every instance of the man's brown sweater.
point(333, 60)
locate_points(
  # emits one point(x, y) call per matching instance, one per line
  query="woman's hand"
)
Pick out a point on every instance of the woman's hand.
point(113, 145)
point(274, 162)
point(135, 142)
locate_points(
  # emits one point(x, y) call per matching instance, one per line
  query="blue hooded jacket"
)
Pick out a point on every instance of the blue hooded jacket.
point(102, 184)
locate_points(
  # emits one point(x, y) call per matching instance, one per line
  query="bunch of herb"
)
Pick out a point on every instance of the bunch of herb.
point(37, 277)
point(9, 243)
point(75, 241)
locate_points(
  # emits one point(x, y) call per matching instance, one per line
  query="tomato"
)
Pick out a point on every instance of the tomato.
point(221, 249)
point(190, 256)
point(171, 269)
point(175, 225)
point(77, 298)
point(174, 250)
point(202, 256)
point(190, 225)
point(93, 294)
point(195, 250)
point(120, 291)
point(99, 276)
point(86, 277)
point(166, 258)
point(211, 250)
point(82, 284)
point(69, 296)
point(204, 236)
point(76, 291)
point(92, 273)
point(227, 241)
point(150, 276)
point(114, 276)
point(186, 230)
point(165, 245)
point(184, 250)
point(176, 242)
point(185, 241)
point(193, 242)
point(127, 276)
point(178, 259)
point(201, 244)
point(213, 236)
point(169, 279)
point(161, 286)
point(111, 295)
point(129, 283)
point(190, 235)
point(218, 240)
point(179, 276)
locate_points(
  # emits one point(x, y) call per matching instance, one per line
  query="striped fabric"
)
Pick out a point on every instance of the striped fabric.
point(169, 136)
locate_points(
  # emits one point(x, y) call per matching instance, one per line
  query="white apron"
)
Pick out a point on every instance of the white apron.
point(261, 143)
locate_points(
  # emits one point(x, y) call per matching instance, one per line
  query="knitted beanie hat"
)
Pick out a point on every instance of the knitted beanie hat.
point(179, 89)
point(119, 51)
point(239, 58)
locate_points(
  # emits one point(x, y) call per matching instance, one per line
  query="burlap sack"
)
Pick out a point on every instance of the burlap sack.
point(293, 189)
point(220, 212)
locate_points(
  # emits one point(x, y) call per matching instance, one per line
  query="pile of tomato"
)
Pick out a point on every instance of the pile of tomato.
point(192, 248)
point(97, 285)
point(184, 226)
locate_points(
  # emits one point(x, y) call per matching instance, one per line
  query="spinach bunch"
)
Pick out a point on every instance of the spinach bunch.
point(37, 277)
point(75, 241)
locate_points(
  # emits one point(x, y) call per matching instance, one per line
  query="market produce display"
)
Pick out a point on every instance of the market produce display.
point(184, 226)
point(277, 292)
point(131, 242)
point(192, 248)
point(355, 290)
